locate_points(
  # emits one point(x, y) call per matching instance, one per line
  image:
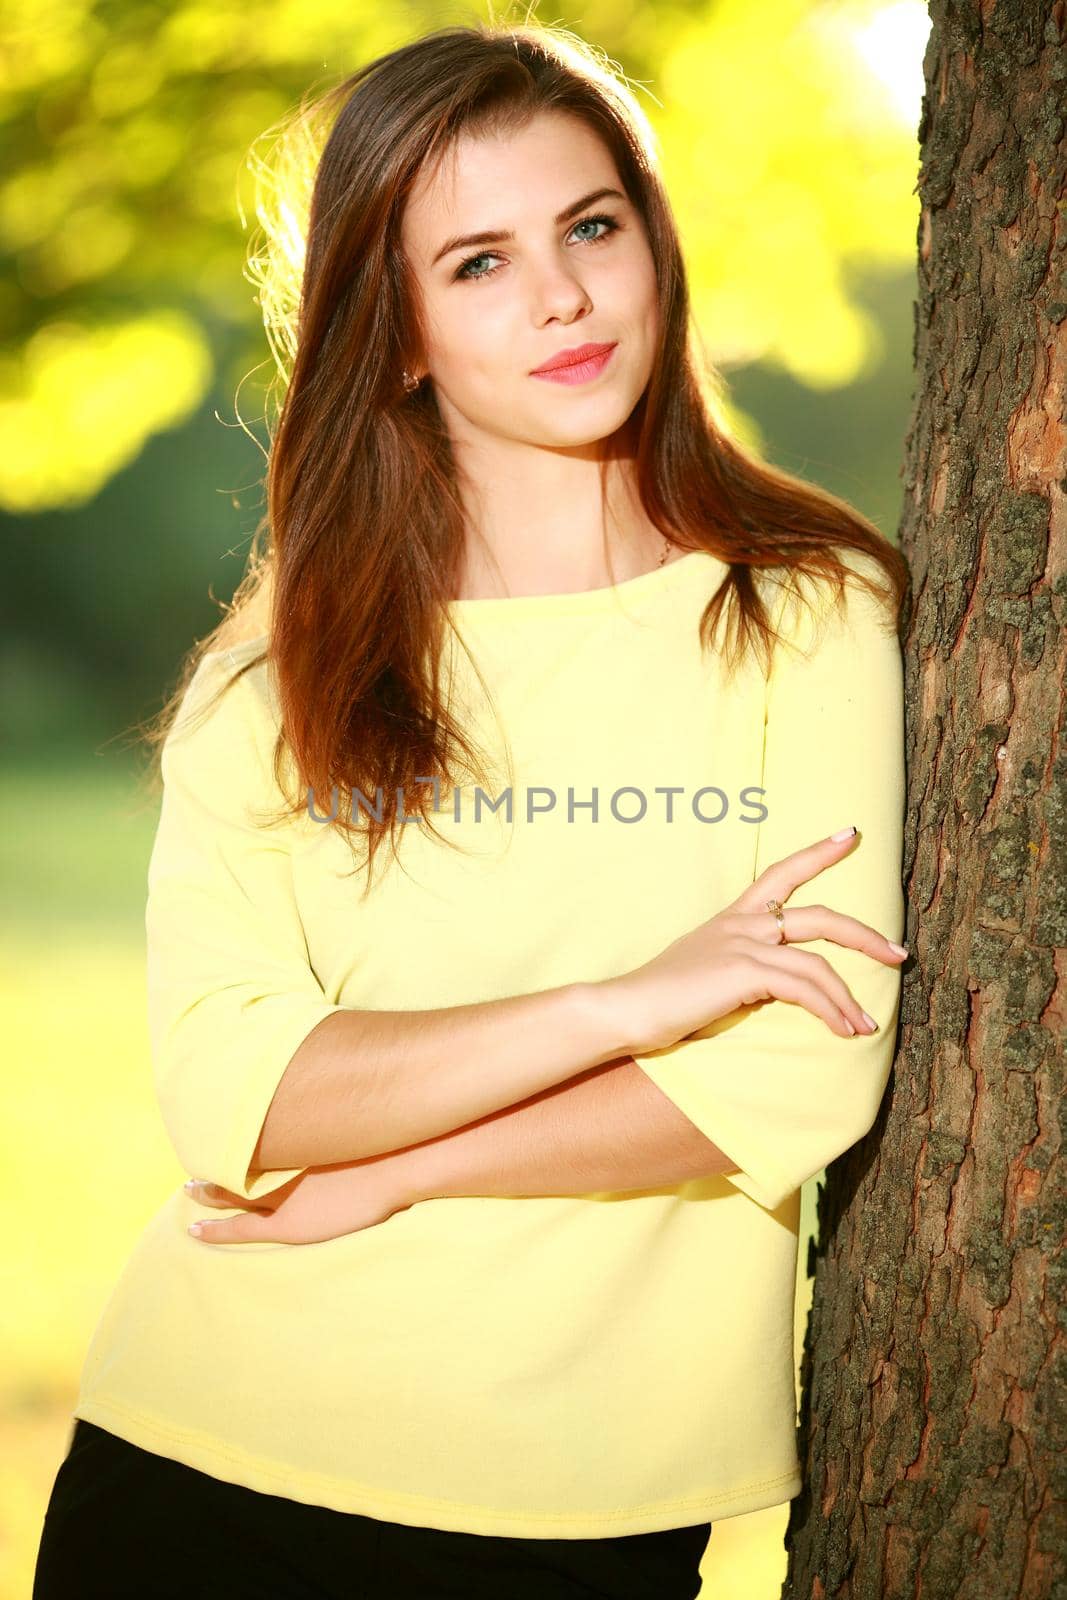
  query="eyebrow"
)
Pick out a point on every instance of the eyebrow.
point(501, 237)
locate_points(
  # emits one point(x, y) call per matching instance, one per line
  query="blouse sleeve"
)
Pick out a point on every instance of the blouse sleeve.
point(231, 992)
point(770, 1084)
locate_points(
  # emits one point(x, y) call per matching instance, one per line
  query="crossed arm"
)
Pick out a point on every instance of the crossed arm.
point(609, 1128)
point(785, 1094)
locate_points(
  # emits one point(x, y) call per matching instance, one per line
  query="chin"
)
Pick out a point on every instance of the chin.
point(570, 421)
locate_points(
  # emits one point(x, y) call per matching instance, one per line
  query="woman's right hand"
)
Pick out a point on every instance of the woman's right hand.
point(736, 959)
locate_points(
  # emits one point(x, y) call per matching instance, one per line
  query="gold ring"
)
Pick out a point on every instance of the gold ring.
point(775, 906)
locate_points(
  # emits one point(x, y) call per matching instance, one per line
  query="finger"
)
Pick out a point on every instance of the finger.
point(781, 878)
point(248, 1227)
point(787, 983)
point(823, 974)
point(821, 922)
point(213, 1194)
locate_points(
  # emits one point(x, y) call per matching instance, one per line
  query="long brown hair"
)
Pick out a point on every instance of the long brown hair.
point(364, 524)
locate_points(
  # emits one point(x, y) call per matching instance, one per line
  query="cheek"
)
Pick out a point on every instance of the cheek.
point(639, 314)
point(647, 288)
point(650, 306)
point(627, 287)
point(473, 336)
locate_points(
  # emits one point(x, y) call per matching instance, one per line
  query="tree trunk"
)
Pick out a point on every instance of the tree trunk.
point(933, 1371)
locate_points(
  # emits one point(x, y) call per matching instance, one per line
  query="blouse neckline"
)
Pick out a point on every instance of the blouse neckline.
point(582, 602)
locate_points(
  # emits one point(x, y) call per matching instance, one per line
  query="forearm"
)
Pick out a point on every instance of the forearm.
point(609, 1129)
point(368, 1082)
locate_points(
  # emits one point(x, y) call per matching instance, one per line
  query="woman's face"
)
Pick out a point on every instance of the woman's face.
point(496, 310)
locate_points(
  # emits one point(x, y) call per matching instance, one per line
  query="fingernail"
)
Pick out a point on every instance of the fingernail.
point(190, 1186)
point(898, 949)
point(850, 1028)
point(194, 1227)
point(869, 1021)
point(843, 833)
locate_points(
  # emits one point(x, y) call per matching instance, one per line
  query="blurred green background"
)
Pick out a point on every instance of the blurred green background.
point(129, 492)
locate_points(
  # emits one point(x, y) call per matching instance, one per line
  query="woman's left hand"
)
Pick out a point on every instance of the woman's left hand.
point(321, 1203)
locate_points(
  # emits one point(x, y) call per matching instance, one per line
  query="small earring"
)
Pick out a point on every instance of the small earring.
point(410, 382)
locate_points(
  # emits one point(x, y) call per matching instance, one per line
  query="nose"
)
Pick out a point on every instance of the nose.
point(559, 294)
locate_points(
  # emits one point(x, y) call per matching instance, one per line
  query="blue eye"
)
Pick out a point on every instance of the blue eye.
point(463, 274)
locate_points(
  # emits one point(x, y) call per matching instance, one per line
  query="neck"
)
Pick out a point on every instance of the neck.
point(554, 532)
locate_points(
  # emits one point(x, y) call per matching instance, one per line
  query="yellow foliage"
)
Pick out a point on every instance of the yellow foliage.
point(78, 403)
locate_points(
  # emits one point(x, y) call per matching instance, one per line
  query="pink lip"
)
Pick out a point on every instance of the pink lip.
point(585, 361)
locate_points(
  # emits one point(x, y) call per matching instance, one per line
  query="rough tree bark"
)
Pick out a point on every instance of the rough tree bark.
point(933, 1370)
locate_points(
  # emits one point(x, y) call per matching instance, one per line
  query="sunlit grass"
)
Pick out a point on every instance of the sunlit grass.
point(84, 1159)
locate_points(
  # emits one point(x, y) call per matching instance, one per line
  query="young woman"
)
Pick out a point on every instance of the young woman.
point(485, 1281)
